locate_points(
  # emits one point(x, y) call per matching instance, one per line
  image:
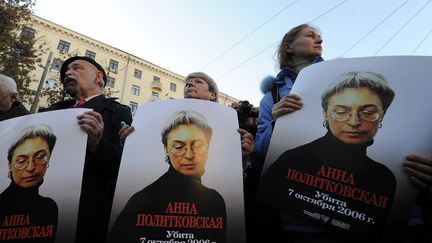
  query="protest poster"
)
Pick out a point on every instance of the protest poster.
point(42, 160)
point(180, 177)
point(338, 161)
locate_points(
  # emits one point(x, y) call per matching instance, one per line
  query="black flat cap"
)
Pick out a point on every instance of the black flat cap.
point(63, 68)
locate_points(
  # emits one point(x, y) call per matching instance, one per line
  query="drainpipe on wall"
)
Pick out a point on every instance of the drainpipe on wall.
point(124, 80)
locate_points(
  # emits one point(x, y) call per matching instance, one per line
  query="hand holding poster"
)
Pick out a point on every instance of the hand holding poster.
point(350, 180)
point(44, 159)
point(180, 177)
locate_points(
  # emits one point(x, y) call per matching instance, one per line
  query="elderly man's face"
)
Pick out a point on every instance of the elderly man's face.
point(29, 162)
point(354, 115)
point(187, 148)
point(6, 100)
point(198, 88)
point(83, 79)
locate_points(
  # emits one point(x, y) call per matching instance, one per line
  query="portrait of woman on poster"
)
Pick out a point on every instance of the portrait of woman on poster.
point(28, 160)
point(354, 106)
point(186, 139)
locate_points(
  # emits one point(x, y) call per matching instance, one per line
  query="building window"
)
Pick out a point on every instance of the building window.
point(137, 73)
point(28, 32)
point(90, 54)
point(63, 46)
point(110, 82)
point(56, 64)
point(173, 87)
point(135, 90)
point(113, 66)
point(49, 85)
point(154, 97)
point(133, 106)
point(156, 79)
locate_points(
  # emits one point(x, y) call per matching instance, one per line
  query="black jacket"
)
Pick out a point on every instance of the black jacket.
point(23, 209)
point(100, 168)
point(158, 202)
point(16, 110)
point(328, 180)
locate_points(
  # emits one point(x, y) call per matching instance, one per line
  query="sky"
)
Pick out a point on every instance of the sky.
point(235, 41)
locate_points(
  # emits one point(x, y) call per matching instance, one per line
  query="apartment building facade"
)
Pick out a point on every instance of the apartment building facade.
point(132, 79)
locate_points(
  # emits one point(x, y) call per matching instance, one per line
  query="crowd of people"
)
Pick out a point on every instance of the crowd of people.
point(84, 80)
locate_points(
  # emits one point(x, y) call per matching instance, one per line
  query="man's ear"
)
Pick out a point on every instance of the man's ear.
point(99, 79)
point(14, 97)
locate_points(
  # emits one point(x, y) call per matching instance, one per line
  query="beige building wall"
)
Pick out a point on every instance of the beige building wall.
point(136, 81)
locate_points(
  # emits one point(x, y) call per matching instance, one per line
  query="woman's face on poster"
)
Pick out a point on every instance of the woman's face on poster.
point(354, 115)
point(187, 148)
point(29, 162)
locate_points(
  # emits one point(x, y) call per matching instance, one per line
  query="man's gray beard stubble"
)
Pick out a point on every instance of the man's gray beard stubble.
point(72, 90)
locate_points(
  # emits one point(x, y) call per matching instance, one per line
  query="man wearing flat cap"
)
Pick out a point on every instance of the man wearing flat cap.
point(84, 79)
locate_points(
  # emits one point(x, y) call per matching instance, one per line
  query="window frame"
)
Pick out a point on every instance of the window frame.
point(113, 65)
point(135, 90)
point(90, 54)
point(133, 106)
point(63, 46)
point(56, 64)
point(173, 87)
point(137, 73)
point(109, 81)
point(28, 32)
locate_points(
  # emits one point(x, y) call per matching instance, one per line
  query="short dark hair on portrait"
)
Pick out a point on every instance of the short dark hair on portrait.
point(373, 81)
point(186, 118)
point(42, 130)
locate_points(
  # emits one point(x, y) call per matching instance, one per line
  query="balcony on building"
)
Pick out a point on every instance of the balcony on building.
point(156, 85)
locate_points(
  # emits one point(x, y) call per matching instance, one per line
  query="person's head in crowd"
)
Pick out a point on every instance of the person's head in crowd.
point(247, 116)
point(354, 106)
point(8, 93)
point(199, 85)
point(301, 43)
point(82, 77)
point(29, 155)
point(186, 138)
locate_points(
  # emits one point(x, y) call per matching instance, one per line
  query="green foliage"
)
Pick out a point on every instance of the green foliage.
point(54, 94)
point(19, 55)
point(20, 52)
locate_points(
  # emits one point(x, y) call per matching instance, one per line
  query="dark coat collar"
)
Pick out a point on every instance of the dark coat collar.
point(17, 109)
point(98, 104)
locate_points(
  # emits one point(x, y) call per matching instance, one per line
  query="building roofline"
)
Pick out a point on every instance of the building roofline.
point(103, 45)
